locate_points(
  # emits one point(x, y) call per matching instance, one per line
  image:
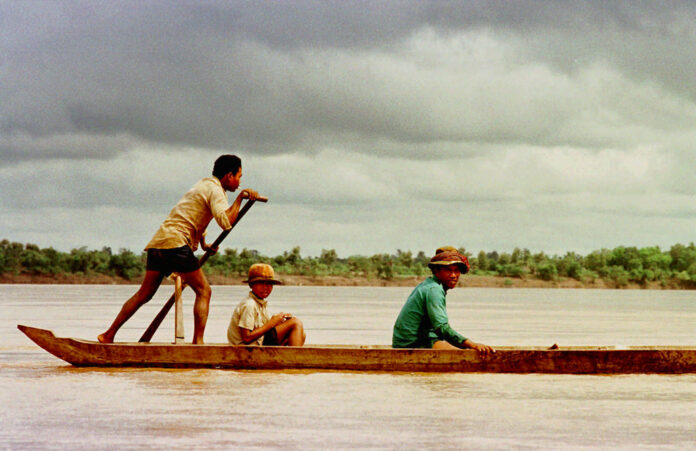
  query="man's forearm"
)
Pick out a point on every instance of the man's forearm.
point(451, 336)
point(233, 210)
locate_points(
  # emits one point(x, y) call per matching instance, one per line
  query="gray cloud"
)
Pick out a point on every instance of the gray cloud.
point(354, 117)
point(275, 77)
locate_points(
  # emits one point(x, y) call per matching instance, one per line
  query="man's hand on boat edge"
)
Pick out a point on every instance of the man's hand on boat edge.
point(478, 347)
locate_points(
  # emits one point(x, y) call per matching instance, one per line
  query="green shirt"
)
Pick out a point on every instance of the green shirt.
point(423, 318)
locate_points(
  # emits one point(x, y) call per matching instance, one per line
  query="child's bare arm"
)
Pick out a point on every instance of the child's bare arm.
point(249, 336)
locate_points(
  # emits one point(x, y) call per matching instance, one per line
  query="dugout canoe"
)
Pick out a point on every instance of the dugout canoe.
point(563, 360)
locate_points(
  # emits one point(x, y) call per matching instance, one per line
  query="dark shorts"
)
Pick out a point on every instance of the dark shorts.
point(167, 261)
point(270, 338)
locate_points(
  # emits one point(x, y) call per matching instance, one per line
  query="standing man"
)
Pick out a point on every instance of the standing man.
point(423, 321)
point(172, 247)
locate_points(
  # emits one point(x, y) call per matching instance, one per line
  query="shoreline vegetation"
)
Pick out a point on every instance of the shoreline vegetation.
point(622, 267)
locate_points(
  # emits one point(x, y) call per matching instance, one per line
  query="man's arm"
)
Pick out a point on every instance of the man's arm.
point(233, 210)
point(225, 215)
point(440, 321)
point(437, 313)
point(207, 246)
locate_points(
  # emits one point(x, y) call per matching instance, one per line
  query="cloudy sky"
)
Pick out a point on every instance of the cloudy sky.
point(371, 126)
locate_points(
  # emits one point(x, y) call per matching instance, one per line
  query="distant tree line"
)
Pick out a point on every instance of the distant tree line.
point(618, 267)
point(16, 258)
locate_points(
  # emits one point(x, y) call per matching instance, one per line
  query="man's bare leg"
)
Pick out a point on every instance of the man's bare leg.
point(147, 289)
point(291, 332)
point(199, 284)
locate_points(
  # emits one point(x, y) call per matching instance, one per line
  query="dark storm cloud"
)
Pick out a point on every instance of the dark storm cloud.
point(90, 79)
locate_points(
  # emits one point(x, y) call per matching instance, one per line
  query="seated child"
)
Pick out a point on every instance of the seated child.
point(251, 323)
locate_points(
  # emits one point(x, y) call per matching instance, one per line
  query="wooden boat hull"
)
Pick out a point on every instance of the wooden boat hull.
point(571, 360)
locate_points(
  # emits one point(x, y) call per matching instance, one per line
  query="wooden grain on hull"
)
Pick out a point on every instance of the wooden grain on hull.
point(569, 360)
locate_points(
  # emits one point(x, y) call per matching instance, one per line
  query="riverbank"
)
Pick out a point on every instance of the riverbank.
point(295, 280)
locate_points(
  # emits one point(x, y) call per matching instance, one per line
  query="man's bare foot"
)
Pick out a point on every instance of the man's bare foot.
point(104, 339)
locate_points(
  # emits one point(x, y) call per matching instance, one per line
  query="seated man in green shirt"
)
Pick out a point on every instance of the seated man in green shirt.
point(423, 321)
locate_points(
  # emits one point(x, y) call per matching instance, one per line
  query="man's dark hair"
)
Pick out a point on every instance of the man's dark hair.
point(225, 164)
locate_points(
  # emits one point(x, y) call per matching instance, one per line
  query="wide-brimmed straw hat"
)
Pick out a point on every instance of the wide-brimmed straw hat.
point(262, 272)
point(446, 256)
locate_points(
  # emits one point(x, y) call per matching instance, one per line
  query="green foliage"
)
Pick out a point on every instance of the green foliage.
point(511, 270)
point(10, 257)
point(619, 266)
point(547, 270)
point(16, 258)
point(481, 262)
point(570, 266)
point(328, 257)
point(596, 260)
point(40, 262)
point(683, 257)
point(126, 264)
point(383, 264)
point(618, 275)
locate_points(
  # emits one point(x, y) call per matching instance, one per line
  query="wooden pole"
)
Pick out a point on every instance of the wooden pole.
point(154, 325)
point(178, 311)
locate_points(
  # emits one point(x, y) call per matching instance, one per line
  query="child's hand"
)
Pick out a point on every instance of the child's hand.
point(279, 318)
